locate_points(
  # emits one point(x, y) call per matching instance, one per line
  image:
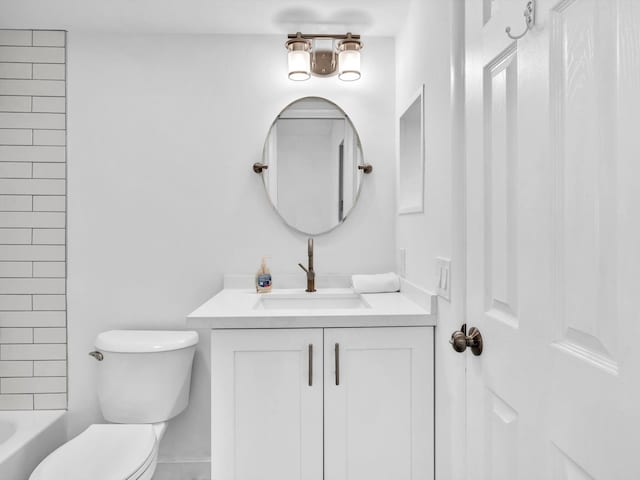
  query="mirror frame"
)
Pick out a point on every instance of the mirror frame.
point(366, 168)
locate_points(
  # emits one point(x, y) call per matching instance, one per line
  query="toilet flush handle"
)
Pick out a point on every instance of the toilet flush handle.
point(97, 355)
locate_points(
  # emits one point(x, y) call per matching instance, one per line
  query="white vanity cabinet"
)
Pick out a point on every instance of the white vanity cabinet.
point(266, 420)
point(322, 403)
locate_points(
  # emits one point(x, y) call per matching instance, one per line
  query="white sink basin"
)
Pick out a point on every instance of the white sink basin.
point(310, 301)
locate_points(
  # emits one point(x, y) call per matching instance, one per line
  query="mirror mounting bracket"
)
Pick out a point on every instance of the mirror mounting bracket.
point(259, 167)
point(366, 168)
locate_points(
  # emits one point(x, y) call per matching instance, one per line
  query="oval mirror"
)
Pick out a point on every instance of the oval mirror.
point(314, 165)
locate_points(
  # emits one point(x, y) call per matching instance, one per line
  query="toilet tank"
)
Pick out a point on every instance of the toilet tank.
point(144, 375)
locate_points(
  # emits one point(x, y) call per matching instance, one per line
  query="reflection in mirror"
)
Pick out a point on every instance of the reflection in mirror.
point(312, 152)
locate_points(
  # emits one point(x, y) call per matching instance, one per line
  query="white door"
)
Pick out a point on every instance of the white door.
point(266, 404)
point(378, 409)
point(553, 225)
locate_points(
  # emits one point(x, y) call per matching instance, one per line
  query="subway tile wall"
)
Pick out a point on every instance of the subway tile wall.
point(33, 334)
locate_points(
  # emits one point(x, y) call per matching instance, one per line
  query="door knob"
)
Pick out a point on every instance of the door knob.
point(460, 340)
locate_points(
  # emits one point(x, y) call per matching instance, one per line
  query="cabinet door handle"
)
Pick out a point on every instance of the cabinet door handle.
point(310, 364)
point(337, 359)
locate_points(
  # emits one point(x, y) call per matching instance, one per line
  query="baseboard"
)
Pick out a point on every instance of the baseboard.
point(183, 470)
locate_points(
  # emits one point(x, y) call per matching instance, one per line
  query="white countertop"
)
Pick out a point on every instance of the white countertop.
point(240, 308)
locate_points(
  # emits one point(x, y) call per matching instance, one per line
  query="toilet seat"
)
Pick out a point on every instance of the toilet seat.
point(102, 452)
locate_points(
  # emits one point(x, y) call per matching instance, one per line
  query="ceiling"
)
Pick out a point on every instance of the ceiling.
point(366, 17)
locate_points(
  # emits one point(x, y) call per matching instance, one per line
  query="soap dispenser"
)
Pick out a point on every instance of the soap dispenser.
point(263, 277)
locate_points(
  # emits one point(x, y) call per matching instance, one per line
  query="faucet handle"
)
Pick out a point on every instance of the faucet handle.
point(303, 267)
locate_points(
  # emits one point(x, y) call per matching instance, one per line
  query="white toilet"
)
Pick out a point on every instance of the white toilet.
point(143, 381)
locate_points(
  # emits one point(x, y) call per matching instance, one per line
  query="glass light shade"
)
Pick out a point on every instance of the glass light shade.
point(349, 64)
point(299, 64)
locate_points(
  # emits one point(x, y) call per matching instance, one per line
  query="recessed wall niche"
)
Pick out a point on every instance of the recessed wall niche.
point(411, 156)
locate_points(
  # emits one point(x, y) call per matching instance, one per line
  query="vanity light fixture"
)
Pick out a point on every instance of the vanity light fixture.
point(306, 57)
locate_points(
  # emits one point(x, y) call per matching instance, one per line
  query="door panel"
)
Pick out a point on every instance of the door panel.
point(552, 240)
point(379, 418)
point(267, 419)
point(583, 78)
point(501, 438)
point(566, 469)
point(500, 174)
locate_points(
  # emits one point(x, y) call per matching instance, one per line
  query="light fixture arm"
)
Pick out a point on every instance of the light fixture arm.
point(313, 36)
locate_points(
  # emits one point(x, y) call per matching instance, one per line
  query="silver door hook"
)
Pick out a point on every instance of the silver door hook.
point(529, 20)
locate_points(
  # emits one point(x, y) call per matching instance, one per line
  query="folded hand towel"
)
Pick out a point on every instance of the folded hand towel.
point(377, 283)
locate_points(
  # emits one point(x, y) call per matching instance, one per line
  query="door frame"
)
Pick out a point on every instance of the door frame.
point(450, 383)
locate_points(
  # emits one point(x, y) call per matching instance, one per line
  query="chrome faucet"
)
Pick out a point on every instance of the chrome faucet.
point(311, 275)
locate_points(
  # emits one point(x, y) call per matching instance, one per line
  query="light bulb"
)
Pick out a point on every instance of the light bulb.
point(349, 61)
point(299, 61)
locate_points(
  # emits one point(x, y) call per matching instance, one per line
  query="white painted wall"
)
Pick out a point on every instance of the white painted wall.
point(429, 50)
point(162, 200)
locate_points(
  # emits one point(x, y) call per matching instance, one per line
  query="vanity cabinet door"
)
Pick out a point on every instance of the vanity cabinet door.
point(379, 406)
point(267, 412)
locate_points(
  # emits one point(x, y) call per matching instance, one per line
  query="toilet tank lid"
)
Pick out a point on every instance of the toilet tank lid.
point(145, 341)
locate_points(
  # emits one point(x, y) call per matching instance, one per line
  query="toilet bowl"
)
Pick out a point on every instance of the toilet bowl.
point(143, 380)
